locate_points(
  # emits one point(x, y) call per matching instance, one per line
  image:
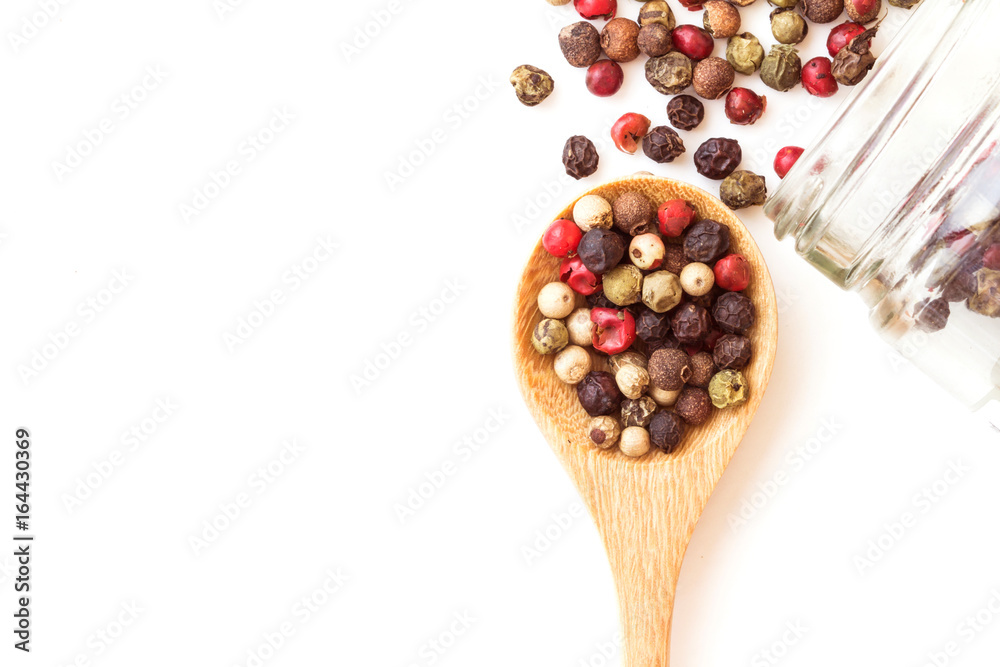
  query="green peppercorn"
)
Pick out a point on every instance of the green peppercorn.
point(623, 285)
point(531, 85)
point(743, 188)
point(671, 73)
point(727, 388)
point(788, 26)
point(745, 53)
point(661, 291)
point(657, 11)
point(782, 68)
point(549, 336)
point(787, 4)
point(905, 4)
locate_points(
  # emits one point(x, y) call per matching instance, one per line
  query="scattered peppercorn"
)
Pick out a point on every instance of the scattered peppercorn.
point(661, 291)
point(662, 144)
point(600, 250)
point(743, 188)
point(732, 351)
point(693, 405)
point(722, 19)
point(655, 40)
point(745, 53)
point(692, 41)
point(818, 79)
point(580, 44)
point(788, 26)
point(706, 241)
point(863, 11)
point(786, 159)
point(666, 430)
point(670, 73)
point(960, 286)
point(713, 77)
point(690, 324)
point(604, 78)
point(549, 336)
point(853, 62)
point(623, 284)
point(685, 112)
point(669, 369)
point(702, 369)
point(734, 312)
point(598, 394)
point(744, 107)
point(717, 158)
point(531, 85)
point(633, 213)
point(905, 4)
point(657, 11)
point(728, 388)
point(823, 11)
point(782, 68)
point(986, 300)
point(619, 40)
point(603, 431)
point(580, 157)
point(932, 315)
point(596, 9)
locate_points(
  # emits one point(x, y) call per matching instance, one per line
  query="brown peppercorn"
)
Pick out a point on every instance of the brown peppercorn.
point(666, 430)
point(743, 188)
point(732, 351)
point(651, 325)
point(722, 20)
point(670, 73)
point(932, 315)
point(580, 157)
point(852, 63)
point(741, 3)
point(598, 394)
point(960, 286)
point(685, 112)
point(655, 40)
point(713, 77)
point(633, 213)
point(705, 241)
point(657, 11)
point(718, 157)
point(638, 411)
point(619, 39)
point(603, 431)
point(580, 44)
point(531, 85)
point(853, 8)
point(986, 300)
point(600, 250)
point(662, 144)
point(734, 312)
point(669, 369)
point(823, 11)
point(702, 369)
point(674, 259)
point(690, 323)
point(694, 405)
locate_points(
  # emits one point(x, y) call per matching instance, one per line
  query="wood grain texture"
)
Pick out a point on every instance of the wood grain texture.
point(646, 509)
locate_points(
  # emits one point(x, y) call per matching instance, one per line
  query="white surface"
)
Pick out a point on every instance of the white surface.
point(455, 219)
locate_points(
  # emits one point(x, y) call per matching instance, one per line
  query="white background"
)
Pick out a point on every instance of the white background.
point(467, 216)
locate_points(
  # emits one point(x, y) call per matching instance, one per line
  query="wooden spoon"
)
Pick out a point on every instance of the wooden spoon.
point(646, 508)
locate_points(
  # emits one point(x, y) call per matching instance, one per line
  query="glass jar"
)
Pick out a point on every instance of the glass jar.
point(898, 199)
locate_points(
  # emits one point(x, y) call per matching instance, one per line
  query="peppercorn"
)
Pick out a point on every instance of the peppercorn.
point(782, 68)
point(627, 358)
point(691, 323)
point(592, 211)
point(728, 388)
point(661, 291)
point(986, 301)
point(667, 342)
point(598, 394)
point(702, 369)
point(674, 259)
point(905, 4)
point(614, 331)
point(743, 188)
point(579, 157)
point(696, 279)
point(619, 40)
point(713, 77)
point(822, 11)
point(558, 3)
point(655, 40)
point(572, 364)
point(841, 36)
point(657, 11)
point(603, 431)
point(685, 112)
point(670, 73)
point(600, 250)
point(734, 312)
point(722, 20)
point(960, 286)
point(853, 62)
point(744, 107)
point(580, 279)
point(788, 26)
point(556, 300)
point(705, 241)
point(580, 327)
point(638, 411)
point(665, 398)
point(662, 144)
point(599, 300)
point(561, 238)
point(693, 405)
point(732, 351)
point(931, 315)
point(669, 369)
point(692, 41)
point(651, 325)
point(646, 251)
point(633, 213)
point(745, 53)
point(632, 381)
point(863, 11)
point(596, 9)
point(732, 272)
point(604, 78)
point(784, 3)
point(549, 336)
point(623, 285)
point(634, 441)
point(818, 79)
point(718, 157)
point(666, 430)
point(531, 85)
point(580, 44)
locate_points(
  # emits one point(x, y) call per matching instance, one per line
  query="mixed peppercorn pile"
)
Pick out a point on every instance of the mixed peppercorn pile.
point(680, 57)
point(658, 291)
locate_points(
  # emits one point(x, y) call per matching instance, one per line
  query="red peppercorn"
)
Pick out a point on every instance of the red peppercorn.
point(580, 279)
point(605, 78)
point(744, 107)
point(596, 9)
point(561, 238)
point(674, 215)
point(732, 273)
point(991, 258)
point(615, 330)
point(841, 36)
point(692, 5)
point(786, 159)
point(817, 77)
point(692, 41)
point(627, 129)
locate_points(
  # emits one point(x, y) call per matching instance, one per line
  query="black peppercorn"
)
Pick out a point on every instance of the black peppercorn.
point(961, 286)
point(705, 241)
point(598, 394)
point(932, 315)
point(685, 112)
point(732, 351)
point(674, 259)
point(666, 431)
point(580, 157)
point(600, 250)
point(717, 158)
point(734, 312)
point(651, 325)
point(662, 144)
point(691, 323)
point(599, 300)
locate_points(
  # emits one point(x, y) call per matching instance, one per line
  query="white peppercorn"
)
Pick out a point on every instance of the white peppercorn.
point(556, 300)
point(581, 329)
point(603, 431)
point(697, 279)
point(591, 212)
point(572, 364)
point(663, 397)
point(632, 380)
point(634, 441)
point(628, 357)
point(646, 251)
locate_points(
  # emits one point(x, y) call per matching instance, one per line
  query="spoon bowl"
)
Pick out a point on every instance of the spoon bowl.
point(645, 508)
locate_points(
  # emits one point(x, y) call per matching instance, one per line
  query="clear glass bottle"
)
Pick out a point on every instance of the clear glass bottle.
point(899, 199)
